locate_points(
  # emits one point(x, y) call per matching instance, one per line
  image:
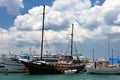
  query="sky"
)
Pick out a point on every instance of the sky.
point(96, 26)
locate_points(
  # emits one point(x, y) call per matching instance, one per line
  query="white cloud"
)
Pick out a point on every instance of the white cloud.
point(70, 5)
point(90, 23)
point(117, 21)
point(12, 6)
point(3, 34)
point(4, 38)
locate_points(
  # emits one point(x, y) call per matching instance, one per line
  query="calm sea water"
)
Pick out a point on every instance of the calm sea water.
point(70, 76)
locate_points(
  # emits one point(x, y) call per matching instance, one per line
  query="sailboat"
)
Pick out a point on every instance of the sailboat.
point(65, 63)
point(102, 67)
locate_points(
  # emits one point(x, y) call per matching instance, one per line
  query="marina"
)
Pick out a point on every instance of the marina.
point(59, 40)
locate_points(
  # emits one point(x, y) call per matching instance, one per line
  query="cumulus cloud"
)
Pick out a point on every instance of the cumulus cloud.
point(3, 34)
point(90, 23)
point(12, 6)
point(4, 38)
point(117, 21)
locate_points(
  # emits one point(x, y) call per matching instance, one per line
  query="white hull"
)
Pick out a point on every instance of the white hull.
point(103, 70)
point(2, 69)
point(14, 67)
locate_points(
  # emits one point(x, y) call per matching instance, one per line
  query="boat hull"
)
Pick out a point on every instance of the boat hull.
point(14, 67)
point(43, 68)
point(103, 70)
point(2, 69)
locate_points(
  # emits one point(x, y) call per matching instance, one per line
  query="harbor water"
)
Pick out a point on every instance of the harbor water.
point(69, 76)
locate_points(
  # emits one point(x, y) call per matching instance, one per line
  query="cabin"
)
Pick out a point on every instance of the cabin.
point(104, 64)
point(101, 64)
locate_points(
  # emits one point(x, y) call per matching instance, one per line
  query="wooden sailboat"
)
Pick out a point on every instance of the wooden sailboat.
point(65, 64)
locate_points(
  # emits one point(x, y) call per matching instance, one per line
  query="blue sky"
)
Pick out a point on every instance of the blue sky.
point(8, 18)
point(94, 20)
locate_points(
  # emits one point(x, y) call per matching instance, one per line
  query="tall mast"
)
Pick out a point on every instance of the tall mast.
point(72, 40)
point(108, 47)
point(112, 57)
point(93, 55)
point(42, 31)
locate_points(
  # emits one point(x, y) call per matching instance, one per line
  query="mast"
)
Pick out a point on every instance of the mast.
point(108, 47)
point(94, 62)
point(93, 55)
point(42, 31)
point(72, 40)
point(112, 57)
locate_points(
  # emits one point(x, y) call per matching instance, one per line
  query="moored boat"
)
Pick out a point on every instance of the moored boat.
point(103, 67)
point(13, 65)
point(50, 67)
point(42, 67)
